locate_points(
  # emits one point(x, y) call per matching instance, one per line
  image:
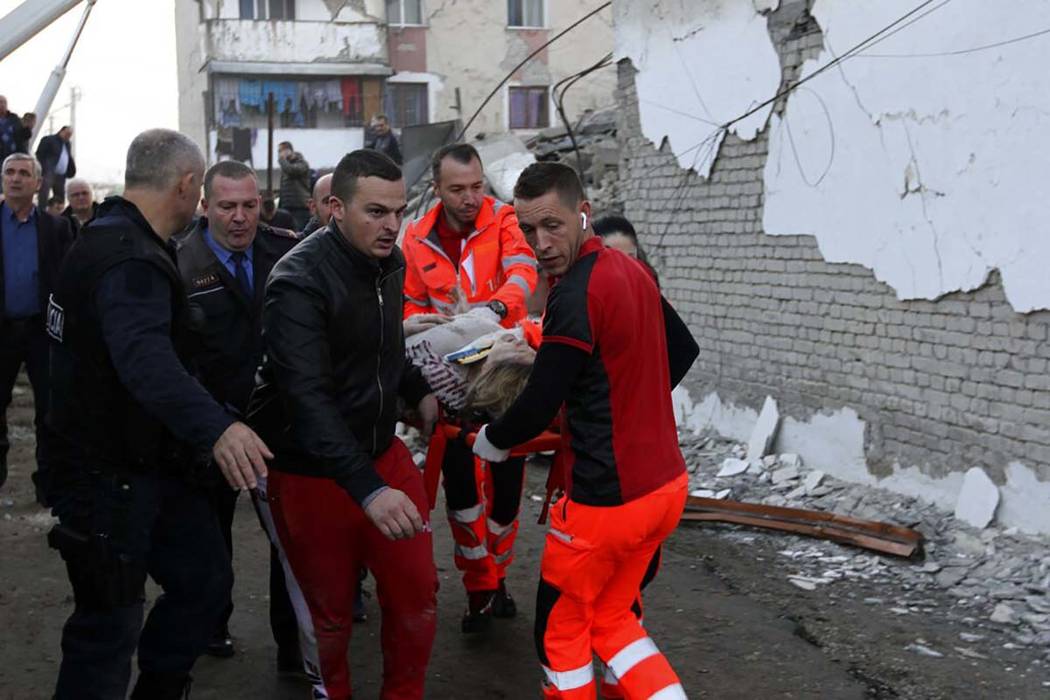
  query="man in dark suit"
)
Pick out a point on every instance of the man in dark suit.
point(224, 262)
point(56, 158)
point(33, 245)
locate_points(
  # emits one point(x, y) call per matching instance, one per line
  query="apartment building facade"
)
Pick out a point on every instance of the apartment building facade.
point(333, 64)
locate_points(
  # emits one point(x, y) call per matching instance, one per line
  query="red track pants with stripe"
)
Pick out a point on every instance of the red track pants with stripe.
point(326, 538)
point(594, 562)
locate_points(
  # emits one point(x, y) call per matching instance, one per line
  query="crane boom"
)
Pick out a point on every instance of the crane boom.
point(25, 21)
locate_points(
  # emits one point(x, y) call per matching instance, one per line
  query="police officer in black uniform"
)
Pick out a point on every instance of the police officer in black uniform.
point(133, 424)
point(224, 261)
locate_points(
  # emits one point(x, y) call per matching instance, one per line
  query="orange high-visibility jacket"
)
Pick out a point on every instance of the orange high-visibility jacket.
point(496, 264)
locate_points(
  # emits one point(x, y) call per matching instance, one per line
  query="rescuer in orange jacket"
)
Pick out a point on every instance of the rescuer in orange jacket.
point(469, 242)
point(468, 254)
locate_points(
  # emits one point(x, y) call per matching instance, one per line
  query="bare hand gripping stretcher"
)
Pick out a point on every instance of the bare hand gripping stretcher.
point(444, 431)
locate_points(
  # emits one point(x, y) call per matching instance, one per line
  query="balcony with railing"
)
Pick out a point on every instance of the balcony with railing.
point(295, 46)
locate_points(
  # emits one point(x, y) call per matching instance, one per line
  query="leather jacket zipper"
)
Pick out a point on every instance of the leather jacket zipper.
point(379, 362)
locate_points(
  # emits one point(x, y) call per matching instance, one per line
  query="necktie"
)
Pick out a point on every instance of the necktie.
point(241, 273)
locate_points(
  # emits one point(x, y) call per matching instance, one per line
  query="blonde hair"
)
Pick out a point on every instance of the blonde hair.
point(496, 387)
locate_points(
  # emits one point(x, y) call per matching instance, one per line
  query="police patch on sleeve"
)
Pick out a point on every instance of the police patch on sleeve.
point(56, 319)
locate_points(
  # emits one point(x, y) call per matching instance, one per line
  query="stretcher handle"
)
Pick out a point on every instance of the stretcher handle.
point(544, 442)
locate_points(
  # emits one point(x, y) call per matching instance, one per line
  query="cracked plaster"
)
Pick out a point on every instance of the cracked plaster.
point(929, 170)
point(699, 65)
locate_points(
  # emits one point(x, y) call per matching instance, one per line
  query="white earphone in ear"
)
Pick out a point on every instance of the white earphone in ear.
point(583, 219)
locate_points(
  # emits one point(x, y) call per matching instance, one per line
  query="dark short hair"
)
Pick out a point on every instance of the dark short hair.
point(229, 169)
point(612, 224)
point(364, 162)
point(540, 178)
point(286, 143)
point(55, 200)
point(460, 152)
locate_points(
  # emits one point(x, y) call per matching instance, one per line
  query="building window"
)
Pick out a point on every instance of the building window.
point(402, 12)
point(267, 9)
point(525, 13)
point(406, 104)
point(529, 108)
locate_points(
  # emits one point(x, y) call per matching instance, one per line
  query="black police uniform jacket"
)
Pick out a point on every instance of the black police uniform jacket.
point(97, 420)
point(227, 325)
point(327, 398)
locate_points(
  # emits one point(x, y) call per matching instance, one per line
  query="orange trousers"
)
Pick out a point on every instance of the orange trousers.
point(594, 562)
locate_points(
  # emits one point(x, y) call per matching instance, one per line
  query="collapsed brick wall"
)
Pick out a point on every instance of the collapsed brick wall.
point(946, 385)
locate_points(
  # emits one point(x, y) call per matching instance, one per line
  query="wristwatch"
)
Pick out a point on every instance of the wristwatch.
point(498, 307)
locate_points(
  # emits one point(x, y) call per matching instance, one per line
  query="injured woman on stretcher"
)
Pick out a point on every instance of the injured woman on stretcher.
point(476, 367)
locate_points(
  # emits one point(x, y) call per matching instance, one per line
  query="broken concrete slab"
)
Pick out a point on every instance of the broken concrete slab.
point(978, 499)
point(812, 481)
point(764, 432)
point(789, 460)
point(732, 467)
point(782, 475)
point(1004, 614)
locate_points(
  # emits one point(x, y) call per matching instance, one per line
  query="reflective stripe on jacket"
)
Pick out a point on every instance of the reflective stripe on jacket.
point(496, 264)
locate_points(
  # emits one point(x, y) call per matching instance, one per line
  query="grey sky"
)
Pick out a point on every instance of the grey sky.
point(125, 67)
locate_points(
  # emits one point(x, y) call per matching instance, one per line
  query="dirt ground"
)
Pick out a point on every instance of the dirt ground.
point(721, 609)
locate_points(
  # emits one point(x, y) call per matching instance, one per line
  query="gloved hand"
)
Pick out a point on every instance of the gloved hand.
point(484, 313)
point(486, 450)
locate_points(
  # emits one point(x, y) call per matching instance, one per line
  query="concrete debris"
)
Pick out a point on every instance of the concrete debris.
point(978, 499)
point(504, 157)
point(598, 162)
point(711, 493)
point(764, 432)
point(786, 474)
point(923, 650)
point(994, 581)
point(812, 481)
point(770, 461)
point(1004, 614)
point(805, 583)
point(732, 467)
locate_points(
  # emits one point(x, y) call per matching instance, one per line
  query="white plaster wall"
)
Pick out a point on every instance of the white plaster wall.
point(296, 42)
point(322, 148)
point(834, 443)
point(936, 166)
point(699, 65)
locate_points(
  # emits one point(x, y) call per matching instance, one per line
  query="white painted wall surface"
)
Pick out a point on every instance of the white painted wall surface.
point(322, 148)
point(295, 42)
point(699, 65)
point(833, 442)
point(936, 166)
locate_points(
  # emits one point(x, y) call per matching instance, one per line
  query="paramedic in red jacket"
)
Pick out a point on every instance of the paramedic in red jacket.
point(612, 349)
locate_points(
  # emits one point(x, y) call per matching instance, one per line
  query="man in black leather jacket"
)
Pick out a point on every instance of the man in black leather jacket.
point(343, 490)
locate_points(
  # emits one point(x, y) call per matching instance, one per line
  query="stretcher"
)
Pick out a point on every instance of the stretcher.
point(445, 431)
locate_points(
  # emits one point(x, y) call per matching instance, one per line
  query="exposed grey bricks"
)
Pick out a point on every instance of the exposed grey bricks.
point(946, 384)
